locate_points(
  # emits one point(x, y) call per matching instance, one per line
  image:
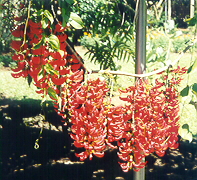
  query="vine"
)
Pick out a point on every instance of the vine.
point(147, 123)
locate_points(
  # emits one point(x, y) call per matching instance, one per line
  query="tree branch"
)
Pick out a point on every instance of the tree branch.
point(78, 58)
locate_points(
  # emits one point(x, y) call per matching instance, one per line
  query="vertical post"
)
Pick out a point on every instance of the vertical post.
point(192, 7)
point(166, 11)
point(169, 10)
point(140, 52)
point(140, 63)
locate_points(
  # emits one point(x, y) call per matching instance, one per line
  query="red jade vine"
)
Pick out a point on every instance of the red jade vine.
point(40, 58)
point(147, 123)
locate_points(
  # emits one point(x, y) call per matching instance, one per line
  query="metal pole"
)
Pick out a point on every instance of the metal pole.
point(141, 38)
point(140, 63)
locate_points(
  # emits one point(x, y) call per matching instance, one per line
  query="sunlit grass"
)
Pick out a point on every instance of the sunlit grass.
point(16, 88)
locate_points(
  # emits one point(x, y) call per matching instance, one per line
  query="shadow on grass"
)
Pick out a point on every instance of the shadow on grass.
point(55, 160)
point(25, 108)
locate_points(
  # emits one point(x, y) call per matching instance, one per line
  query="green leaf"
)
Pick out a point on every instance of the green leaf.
point(185, 133)
point(185, 126)
point(192, 67)
point(52, 93)
point(29, 79)
point(65, 16)
point(185, 91)
point(54, 42)
point(49, 16)
point(49, 69)
point(40, 43)
point(76, 21)
point(70, 2)
point(194, 89)
point(189, 69)
point(44, 22)
point(192, 21)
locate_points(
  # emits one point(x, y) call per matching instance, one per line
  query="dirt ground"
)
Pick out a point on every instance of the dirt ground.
point(20, 126)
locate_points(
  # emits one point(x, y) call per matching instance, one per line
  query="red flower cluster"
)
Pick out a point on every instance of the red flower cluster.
point(95, 124)
point(88, 119)
point(147, 123)
point(48, 67)
point(154, 123)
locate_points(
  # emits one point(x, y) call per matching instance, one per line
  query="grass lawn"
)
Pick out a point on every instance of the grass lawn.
point(16, 88)
point(19, 89)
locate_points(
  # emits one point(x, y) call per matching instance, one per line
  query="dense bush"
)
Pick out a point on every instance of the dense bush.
point(6, 61)
point(5, 37)
point(8, 11)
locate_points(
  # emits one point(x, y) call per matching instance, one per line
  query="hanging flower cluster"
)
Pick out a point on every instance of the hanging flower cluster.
point(88, 109)
point(42, 57)
point(154, 122)
point(147, 123)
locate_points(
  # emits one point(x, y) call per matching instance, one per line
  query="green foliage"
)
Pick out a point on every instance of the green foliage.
point(106, 49)
point(101, 17)
point(7, 13)
point(185, 91)
point(46, 10)
point(180, 43)
point(75, 21)
point(49, 11)
point(156, 51)
point(155, 14)
point(46, 17)
point(160, 40)
point(194, 89)
point(108, 26)
point(193, 66)
point(52, 94)
point(161, 44)
point(189, 103)
point(54, 42)
point(4, 44)
point(6, 61)
point(185, 133)
point(192, 21)
point(49, 16)
point(157, 48)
